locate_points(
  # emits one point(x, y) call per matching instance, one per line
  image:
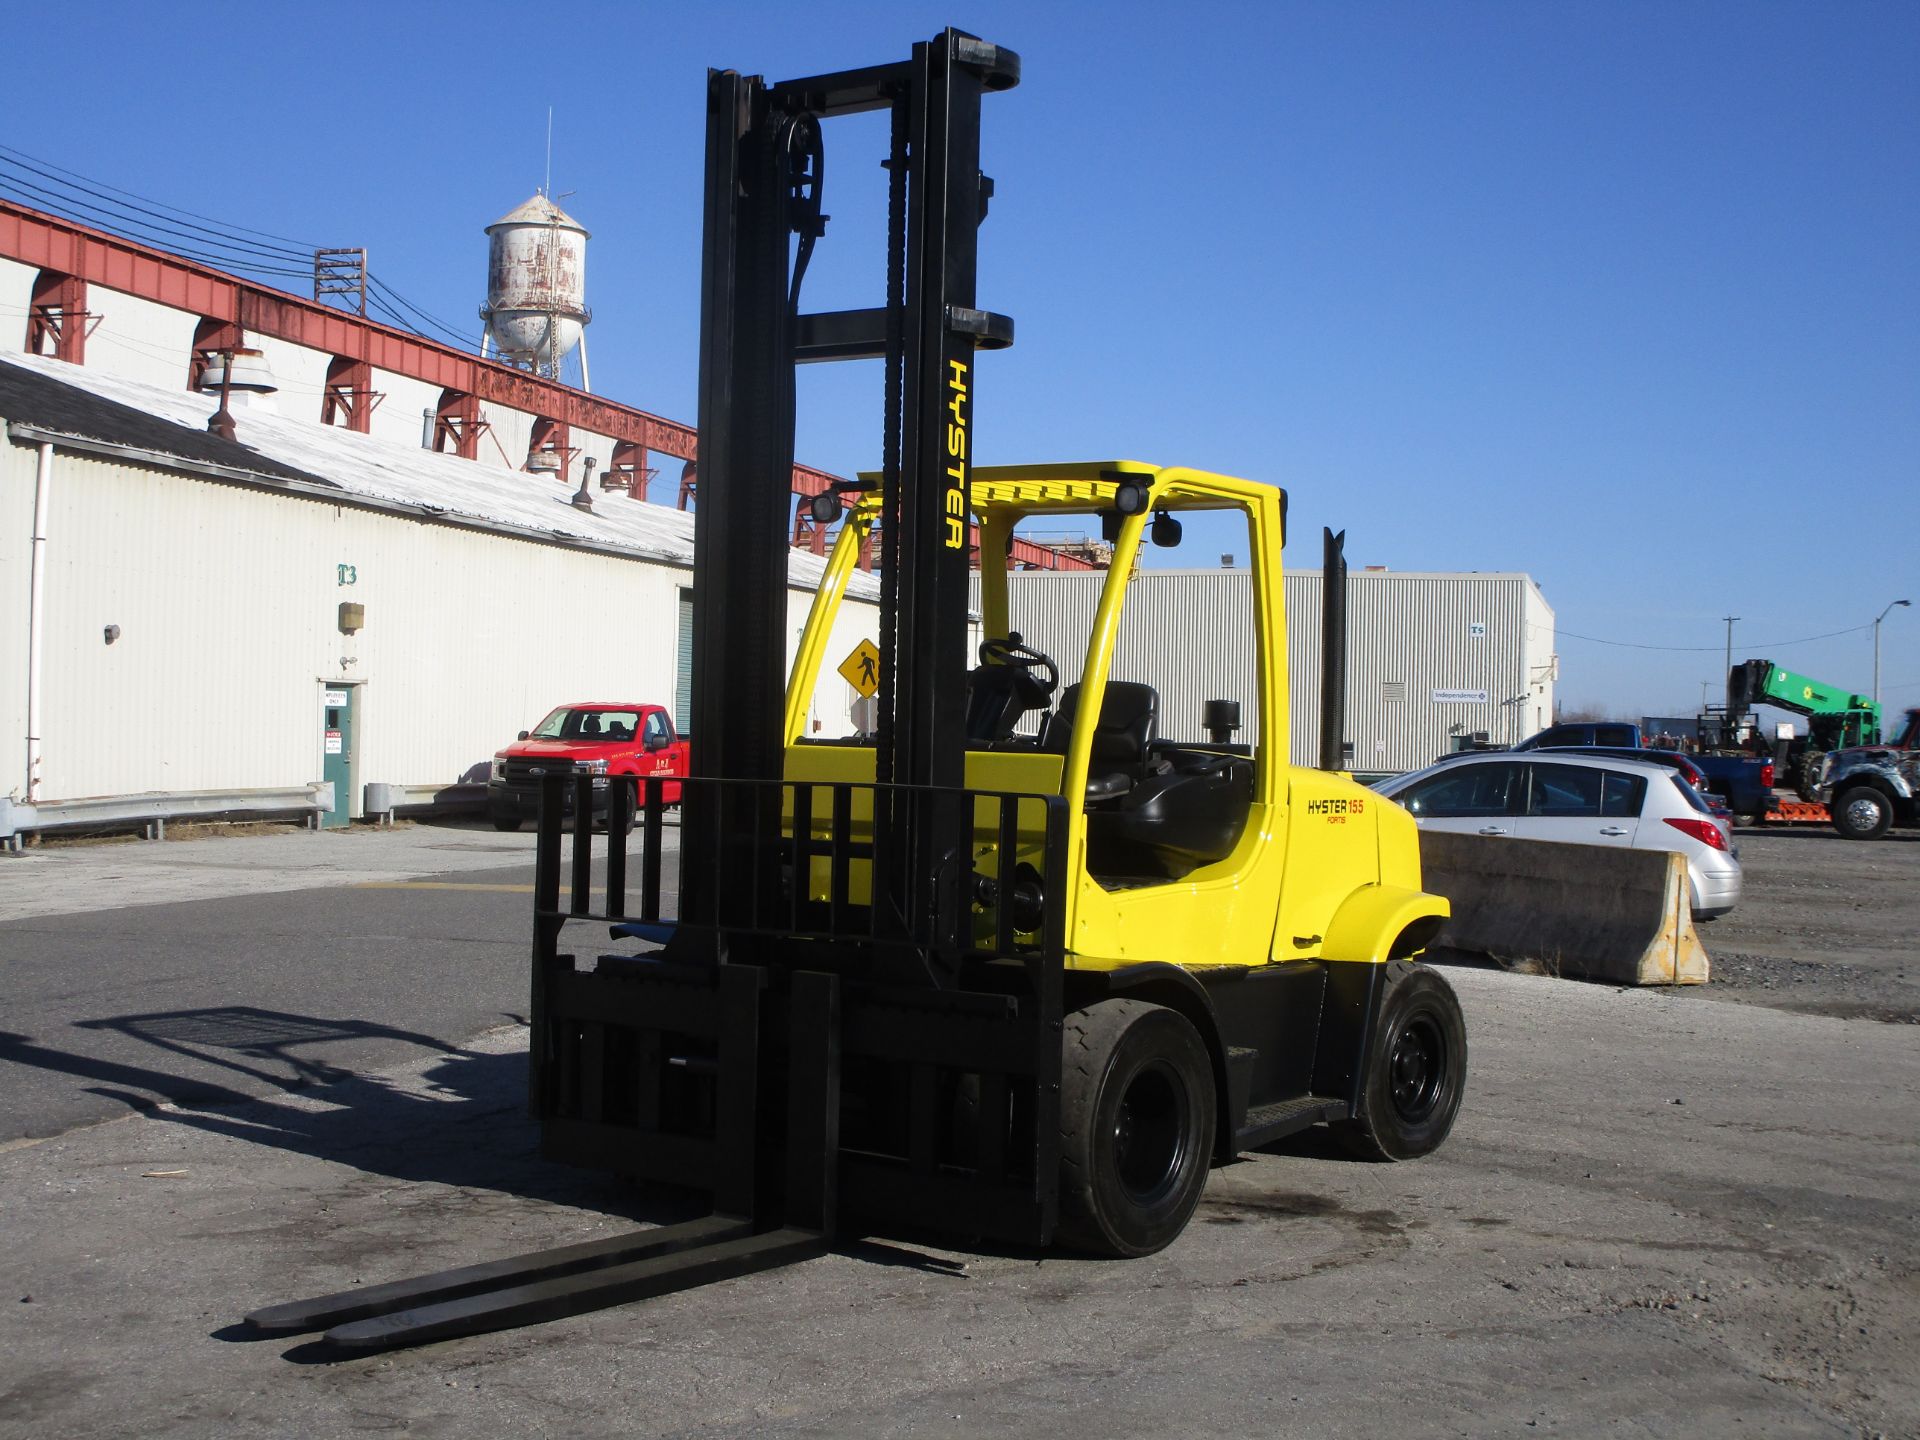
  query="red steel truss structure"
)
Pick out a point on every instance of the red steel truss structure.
point(71, 257)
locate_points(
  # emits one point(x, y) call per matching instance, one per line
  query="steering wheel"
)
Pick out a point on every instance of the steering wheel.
point(994, 651)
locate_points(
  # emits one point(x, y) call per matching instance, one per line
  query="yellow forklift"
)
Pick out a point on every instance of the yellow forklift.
point(1022, 960)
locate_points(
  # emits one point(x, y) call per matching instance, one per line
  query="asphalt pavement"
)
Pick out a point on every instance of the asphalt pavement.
point(1656, 1217)
point(215, 970)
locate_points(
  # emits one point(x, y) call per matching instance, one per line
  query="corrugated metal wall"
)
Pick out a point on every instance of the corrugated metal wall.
point(1429, 655)
point(1188, 633)
point(228, 601)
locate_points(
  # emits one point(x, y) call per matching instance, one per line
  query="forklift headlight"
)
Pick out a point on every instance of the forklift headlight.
point(1130, 497)
point(824, 508)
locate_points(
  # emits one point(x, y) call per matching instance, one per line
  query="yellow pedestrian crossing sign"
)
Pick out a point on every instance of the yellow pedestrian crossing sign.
point(862, 668)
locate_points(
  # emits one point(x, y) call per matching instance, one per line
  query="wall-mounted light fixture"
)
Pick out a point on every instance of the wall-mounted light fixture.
point(353, 616)
point(111, 633)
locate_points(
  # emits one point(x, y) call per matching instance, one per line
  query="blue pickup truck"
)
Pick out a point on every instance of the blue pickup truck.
point(1745, 782)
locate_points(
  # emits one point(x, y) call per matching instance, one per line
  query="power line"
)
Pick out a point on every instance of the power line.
point(402, 300)
point(201, 243)
point(206, 253)
point(131, 215)
point(1701, 649)
point(175, 209)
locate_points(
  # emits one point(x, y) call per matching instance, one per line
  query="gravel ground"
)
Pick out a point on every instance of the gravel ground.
point(1656, 1218)
point(1825, 926)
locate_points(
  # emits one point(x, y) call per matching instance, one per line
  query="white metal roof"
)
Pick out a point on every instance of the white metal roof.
point(431, 483)
point(538, 211)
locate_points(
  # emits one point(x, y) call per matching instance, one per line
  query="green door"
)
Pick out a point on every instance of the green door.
point(336, 750)
point(683, 666)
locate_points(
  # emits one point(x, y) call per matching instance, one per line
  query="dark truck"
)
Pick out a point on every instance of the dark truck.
point(1745, 782)
point(1869, 789)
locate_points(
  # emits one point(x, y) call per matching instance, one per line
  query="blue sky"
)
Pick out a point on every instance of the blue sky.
point(1624, 295)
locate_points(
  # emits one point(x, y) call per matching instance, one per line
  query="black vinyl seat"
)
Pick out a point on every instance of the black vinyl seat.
point(1122, 738)
point(1153, 813)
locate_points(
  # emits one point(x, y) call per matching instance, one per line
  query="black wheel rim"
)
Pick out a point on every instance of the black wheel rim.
point(1150, 1133)
point(1417, 1068)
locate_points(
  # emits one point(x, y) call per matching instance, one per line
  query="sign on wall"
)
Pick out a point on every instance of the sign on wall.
point(1459, 697)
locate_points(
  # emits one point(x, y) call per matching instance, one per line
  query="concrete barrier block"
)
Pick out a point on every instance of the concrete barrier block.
point(1596, 912)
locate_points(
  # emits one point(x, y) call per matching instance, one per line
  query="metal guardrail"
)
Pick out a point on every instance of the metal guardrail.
point(151, 811)
point(384, 801)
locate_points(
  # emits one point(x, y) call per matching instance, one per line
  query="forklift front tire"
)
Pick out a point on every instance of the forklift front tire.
point(1136, 1127)
point(1416, 1072)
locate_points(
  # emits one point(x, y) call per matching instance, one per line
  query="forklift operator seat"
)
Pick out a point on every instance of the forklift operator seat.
point(1129, 719)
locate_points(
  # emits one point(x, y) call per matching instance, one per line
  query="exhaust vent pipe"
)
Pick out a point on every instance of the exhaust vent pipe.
point(1333, 651)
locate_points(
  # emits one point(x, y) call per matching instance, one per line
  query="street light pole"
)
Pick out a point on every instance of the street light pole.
point(1876, 648)
point(1728, 718)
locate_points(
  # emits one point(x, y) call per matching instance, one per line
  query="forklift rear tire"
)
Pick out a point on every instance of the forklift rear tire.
point(1136, 1127)
point(1416, 1072)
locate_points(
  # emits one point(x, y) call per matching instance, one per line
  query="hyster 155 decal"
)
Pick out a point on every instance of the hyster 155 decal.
point(1337, 809)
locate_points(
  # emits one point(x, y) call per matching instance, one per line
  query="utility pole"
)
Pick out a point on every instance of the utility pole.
point(1728, 720)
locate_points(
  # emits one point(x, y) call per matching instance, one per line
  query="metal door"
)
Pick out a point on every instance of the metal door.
point(337, 705)
point(683, 665)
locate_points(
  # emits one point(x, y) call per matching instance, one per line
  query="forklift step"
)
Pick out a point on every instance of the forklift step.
point(555, 1299)
point(493, 1275)
point(1284, 1117)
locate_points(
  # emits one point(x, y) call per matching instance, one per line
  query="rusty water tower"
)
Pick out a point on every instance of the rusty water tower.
point(536, 312)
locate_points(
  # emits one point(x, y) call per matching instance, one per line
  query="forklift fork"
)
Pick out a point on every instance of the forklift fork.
point(574, 1279)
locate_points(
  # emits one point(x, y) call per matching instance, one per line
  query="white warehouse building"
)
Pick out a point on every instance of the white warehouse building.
point(254, 614)
point(407, 553)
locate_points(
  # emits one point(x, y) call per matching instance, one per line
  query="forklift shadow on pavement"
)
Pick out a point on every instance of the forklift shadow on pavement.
point(461, 1122)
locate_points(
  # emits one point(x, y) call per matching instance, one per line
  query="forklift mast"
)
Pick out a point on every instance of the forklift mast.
point(765, 171)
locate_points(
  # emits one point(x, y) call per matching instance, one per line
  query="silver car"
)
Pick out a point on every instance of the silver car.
point(1579, 800)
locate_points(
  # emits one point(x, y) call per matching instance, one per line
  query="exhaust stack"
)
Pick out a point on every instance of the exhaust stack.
point(1333, 651)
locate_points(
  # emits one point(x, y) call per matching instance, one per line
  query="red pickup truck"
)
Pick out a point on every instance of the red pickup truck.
point(601, 738)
